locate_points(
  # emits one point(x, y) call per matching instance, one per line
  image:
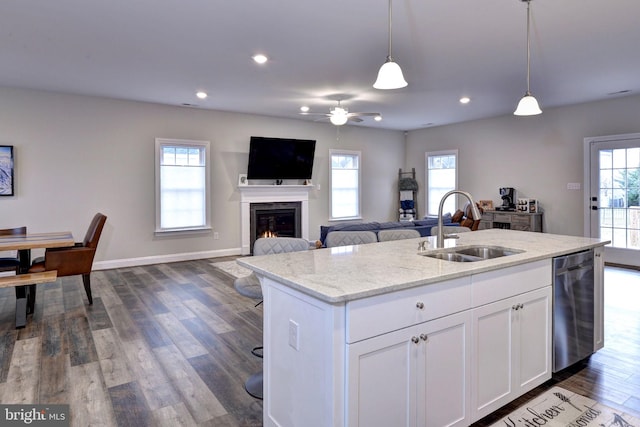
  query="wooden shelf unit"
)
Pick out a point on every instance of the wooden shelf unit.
point(522, 221)
point(403, 216)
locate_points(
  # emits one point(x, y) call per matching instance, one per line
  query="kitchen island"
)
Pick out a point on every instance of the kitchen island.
point(381, 335)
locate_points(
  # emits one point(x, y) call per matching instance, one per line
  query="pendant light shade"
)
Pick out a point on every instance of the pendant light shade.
point(390, 75)
point(528, 105)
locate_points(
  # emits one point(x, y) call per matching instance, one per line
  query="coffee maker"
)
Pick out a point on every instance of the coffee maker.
point(508, 195)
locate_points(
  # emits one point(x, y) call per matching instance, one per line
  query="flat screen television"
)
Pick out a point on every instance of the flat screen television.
point(280, 158)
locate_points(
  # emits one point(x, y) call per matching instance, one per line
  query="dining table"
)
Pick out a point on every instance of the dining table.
point(23, 281)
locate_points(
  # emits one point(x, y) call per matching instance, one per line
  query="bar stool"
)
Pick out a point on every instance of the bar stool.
point(249, 286)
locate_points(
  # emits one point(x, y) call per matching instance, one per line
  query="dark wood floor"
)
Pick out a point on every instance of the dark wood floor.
point(170, 345)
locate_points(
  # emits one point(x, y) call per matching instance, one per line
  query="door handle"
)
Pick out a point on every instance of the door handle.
point(594, 208)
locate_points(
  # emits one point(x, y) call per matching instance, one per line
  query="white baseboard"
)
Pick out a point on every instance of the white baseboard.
point(161, 259)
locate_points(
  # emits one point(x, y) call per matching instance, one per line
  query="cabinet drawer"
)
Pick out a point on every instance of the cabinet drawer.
point(369, 317)
point(487, 216)
point(500, 284)
point(521, 219)
point(501, 217)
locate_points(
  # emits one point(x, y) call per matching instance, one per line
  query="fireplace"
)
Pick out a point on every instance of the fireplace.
point(272, 194)
point(278, 219)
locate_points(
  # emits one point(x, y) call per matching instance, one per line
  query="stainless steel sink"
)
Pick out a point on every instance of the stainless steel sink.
point(471, 253)
point(450, 256)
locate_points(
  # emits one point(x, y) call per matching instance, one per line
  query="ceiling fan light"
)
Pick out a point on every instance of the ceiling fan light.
point(338, 116)
point(528, 106)
point(390, 76)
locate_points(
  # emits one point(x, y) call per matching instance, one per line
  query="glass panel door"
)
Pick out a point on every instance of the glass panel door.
point(615, 197)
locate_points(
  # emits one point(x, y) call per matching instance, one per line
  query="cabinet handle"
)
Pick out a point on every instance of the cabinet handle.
point(420, 305)
point(517, 306)
point(514, 307)
point(424, 337)
point(415, 340)
point(521, 305)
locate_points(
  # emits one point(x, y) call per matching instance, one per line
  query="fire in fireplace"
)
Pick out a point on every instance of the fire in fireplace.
point(278, 219)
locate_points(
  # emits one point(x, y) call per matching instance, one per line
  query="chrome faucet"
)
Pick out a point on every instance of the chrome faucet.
point(475, 213)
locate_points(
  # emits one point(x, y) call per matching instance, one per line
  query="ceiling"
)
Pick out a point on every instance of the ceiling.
point(163, 51)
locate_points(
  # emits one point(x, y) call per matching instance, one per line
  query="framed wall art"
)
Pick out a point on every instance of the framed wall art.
point(6, 170)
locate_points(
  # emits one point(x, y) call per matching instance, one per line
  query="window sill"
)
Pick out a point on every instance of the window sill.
point(351, 218)
point(183, 231)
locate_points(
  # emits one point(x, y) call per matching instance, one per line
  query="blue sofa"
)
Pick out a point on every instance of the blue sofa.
point(423, 226)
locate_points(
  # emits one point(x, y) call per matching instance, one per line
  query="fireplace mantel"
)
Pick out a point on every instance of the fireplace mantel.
point(270, 194)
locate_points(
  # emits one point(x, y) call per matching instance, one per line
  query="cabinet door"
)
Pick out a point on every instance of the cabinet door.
point(533, 361)
point(382, 379)
point(491, 371)
point(512, 340)
point(443, 388)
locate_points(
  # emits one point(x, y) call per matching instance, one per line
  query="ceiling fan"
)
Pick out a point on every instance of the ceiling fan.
point(340, 115)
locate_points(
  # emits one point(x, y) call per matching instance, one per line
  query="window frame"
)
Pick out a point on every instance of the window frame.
point(453, 152)
point(358, 155)
point(163, 142)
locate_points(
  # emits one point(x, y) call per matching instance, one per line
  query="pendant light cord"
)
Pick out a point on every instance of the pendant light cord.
point(528, 46)
point(389, 56)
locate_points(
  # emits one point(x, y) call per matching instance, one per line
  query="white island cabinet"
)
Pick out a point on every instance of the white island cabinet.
point(380, 335)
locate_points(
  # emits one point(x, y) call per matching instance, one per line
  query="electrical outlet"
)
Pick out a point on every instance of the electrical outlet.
point(216, 235)
point(294, 335)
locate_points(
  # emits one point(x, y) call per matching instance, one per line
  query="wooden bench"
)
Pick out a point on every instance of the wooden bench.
point(28, 279)
point(25, 285)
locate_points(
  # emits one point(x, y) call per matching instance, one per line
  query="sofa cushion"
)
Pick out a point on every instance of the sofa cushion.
point(423, 226)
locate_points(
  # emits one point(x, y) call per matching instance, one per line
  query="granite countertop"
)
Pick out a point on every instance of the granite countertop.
point(341, 274)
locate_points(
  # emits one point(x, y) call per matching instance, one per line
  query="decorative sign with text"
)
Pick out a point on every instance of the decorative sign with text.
point(558, 407)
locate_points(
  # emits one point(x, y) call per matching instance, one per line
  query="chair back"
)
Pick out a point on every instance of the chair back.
point(346, 238)
point(449, 229)
point(397, 234)
point(94, 231)
point(13, 231)
point(278, 245)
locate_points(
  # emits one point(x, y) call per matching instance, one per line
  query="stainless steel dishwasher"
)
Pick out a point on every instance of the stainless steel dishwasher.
point(573, 308)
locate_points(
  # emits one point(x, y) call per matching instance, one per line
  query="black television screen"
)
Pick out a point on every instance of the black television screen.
point(280, 158)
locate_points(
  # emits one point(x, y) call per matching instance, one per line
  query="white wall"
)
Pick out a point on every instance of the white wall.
point(536, 155)
point(77, 155)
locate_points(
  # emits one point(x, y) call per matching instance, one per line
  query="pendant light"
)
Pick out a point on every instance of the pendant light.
point(390, 75)
point(528, 105)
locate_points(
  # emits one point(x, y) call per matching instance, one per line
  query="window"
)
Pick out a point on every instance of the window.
point(345, 184)
point(182, 185)
point(441, 177)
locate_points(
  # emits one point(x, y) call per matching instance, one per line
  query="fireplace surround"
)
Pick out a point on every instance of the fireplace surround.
point(260, 194)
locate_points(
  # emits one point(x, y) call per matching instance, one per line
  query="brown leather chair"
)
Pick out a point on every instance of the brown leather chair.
point(21, 258)
point(74, 260)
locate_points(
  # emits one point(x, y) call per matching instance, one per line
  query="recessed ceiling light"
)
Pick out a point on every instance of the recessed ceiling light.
point(260, 58)
point(465, 100)
point(304, 109)
point(377, 118)
point(201, 95)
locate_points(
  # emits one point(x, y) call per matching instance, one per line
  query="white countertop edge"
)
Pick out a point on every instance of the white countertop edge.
point(337, 295)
